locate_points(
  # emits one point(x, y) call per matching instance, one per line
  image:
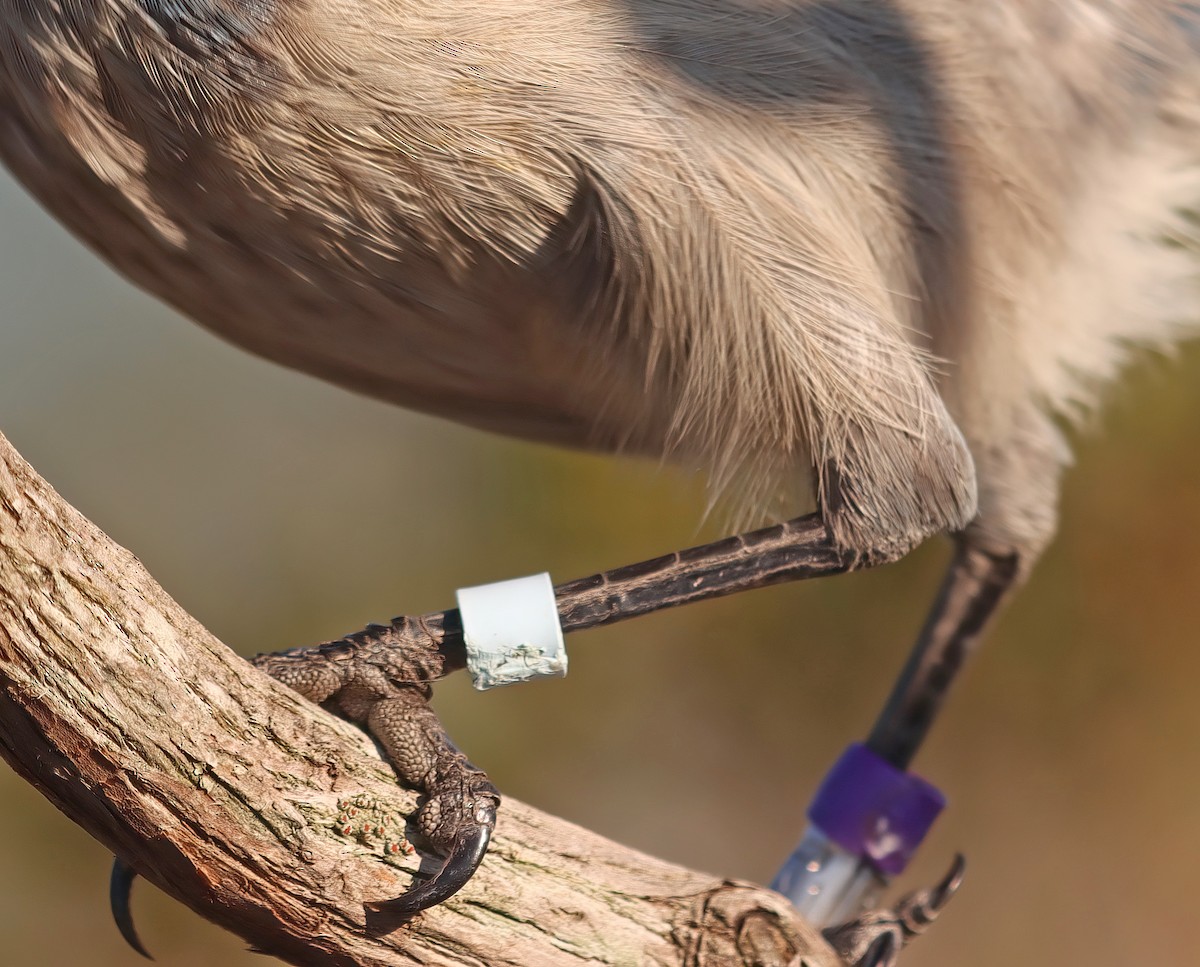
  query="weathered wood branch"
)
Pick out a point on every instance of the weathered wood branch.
point(223, 788)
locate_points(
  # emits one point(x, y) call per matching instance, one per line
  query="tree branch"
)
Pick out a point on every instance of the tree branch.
point(247, 803)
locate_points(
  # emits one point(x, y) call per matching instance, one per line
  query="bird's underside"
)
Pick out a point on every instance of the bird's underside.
point(873, 247)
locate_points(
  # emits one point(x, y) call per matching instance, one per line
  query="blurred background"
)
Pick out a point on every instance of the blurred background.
point(281, 511)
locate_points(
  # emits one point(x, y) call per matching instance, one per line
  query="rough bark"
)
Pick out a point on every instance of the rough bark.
point(236, 796)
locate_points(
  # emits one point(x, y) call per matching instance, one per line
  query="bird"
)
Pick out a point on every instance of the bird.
point(861, 261)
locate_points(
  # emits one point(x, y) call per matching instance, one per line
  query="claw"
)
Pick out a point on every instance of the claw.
point(876, 938)
point(466, 853)
point(918, 911)
point(940, 895)
point(120, 883)
point(883, 952)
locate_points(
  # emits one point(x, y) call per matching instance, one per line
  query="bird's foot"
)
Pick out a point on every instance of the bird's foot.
point(459, 811)
point(379, 678)
point(875, 939)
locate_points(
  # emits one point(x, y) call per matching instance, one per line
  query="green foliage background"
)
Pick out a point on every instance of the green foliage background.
point(281, 511)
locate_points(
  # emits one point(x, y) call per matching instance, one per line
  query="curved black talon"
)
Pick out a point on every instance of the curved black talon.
point(362, 681)
point(120, 884)
point(884, 952)
point(466, 853)
point(928, 907)
point(876, 938)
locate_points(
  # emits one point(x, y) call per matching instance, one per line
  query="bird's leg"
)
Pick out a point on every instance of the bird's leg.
point(978, 581)
point(414, 651)
point(380, 676)
point(792, 551)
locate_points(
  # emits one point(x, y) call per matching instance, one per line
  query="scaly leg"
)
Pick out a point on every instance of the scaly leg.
point(380, 677)
point(977, 583)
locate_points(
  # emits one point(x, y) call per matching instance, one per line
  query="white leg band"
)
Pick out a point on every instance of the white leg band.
point(511, 631)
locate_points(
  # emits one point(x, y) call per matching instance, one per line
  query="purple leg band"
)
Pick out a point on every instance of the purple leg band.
point(874, 810)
